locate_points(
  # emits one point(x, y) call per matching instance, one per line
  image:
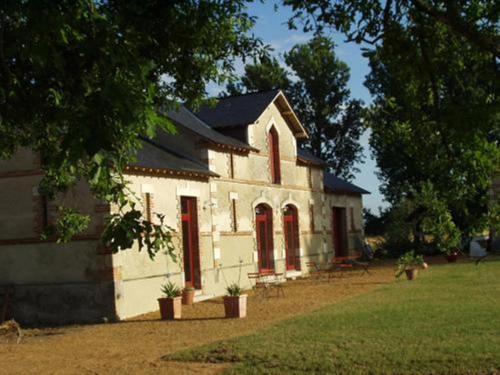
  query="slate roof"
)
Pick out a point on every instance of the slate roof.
point(156, 156)
point(236, 110)
point(186, 118)
point(336, 185)
point(308, 158)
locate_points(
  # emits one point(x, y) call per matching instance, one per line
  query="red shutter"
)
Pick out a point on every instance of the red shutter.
point(274, 156)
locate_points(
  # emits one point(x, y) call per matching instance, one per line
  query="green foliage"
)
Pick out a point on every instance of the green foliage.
point(127, 226)
point(438, 221)
point(435, 117)
point(374, 225)
point(80, 82)
point(263, 75)
point(369, 21)
point(69, 223)
point(322, 102)
point(170, 290)
point(408, 261)
point(234, 290)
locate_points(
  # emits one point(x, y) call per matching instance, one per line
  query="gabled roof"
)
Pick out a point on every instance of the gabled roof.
point(306, 157)
point(245, 109)
point(186, 118)
point(153, 157)
point(336, 185)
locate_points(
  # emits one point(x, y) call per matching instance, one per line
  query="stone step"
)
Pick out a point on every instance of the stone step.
point(203, 297)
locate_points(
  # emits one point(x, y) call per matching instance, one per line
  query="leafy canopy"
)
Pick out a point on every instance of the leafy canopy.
point(368, 21)
point(434, 78)
point(80, 80)
point(322, 101)
point(435, 118)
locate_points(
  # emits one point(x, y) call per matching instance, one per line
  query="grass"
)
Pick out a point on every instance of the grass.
point(446, 321)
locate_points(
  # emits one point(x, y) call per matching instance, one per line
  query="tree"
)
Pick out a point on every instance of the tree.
point(435, 119)
point(434, 76)
point(322, 102)
point(475, 22)
point(80, 81)
point(263, 75)
point(320, 97)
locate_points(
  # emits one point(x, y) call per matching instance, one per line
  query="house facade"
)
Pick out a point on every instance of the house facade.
point(234, 185)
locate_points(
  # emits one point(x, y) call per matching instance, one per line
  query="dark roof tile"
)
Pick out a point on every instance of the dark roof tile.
point(187, 119)
point(154, 155)
point(236, 110)
point(337, 185)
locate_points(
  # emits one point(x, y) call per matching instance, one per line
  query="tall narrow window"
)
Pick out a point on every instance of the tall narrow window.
point(351, 214)
point(274, 156)
point(147, 204)
point(231, 165)
point(235, 220)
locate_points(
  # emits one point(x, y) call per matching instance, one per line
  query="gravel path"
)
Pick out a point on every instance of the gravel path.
point(137, 345)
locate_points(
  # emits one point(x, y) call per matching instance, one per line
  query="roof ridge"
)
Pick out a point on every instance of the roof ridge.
point(247, 94)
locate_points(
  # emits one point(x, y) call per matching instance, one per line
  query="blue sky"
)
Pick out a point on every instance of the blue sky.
point(271, 27)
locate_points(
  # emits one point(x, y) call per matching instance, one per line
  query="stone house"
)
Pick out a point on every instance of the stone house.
point(234, 184)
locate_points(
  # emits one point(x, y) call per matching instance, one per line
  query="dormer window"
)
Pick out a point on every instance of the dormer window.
point(274, 156)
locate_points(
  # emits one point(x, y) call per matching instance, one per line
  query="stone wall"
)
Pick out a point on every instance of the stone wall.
point(52, 283)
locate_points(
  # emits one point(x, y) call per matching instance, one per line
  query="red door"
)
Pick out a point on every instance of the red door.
point(264, 228)
point(292, 242)
point(190, 245)
point(339, 231)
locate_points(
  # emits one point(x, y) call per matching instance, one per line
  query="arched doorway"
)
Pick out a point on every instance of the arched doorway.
point(264, 229)
point(291, 234)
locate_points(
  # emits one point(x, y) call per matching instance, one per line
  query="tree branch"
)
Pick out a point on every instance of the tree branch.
point(451, 18)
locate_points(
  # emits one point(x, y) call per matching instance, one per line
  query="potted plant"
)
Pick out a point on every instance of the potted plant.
point(451, 255)
point(188, 295)
point(409, 263)
point(235, 303)
point(171, 304)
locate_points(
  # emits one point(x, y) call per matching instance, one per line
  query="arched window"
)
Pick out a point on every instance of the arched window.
point(274, 156)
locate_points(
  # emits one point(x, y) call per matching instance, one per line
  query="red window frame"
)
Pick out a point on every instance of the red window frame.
point(292, 239)
point(147, 203)
point(274, 156)
point(191, 250)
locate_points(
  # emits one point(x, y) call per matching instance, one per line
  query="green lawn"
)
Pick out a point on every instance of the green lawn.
point(446, 321)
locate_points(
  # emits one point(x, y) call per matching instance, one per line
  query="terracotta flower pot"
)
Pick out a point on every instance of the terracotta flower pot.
point(170, 308)
point(188, 296)
point(452, 258)
point(235, 306)
point(411, 273)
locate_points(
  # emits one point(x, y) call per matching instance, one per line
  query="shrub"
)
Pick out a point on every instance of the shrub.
point(408, 261)
point(234, 290)
point(171, 290)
